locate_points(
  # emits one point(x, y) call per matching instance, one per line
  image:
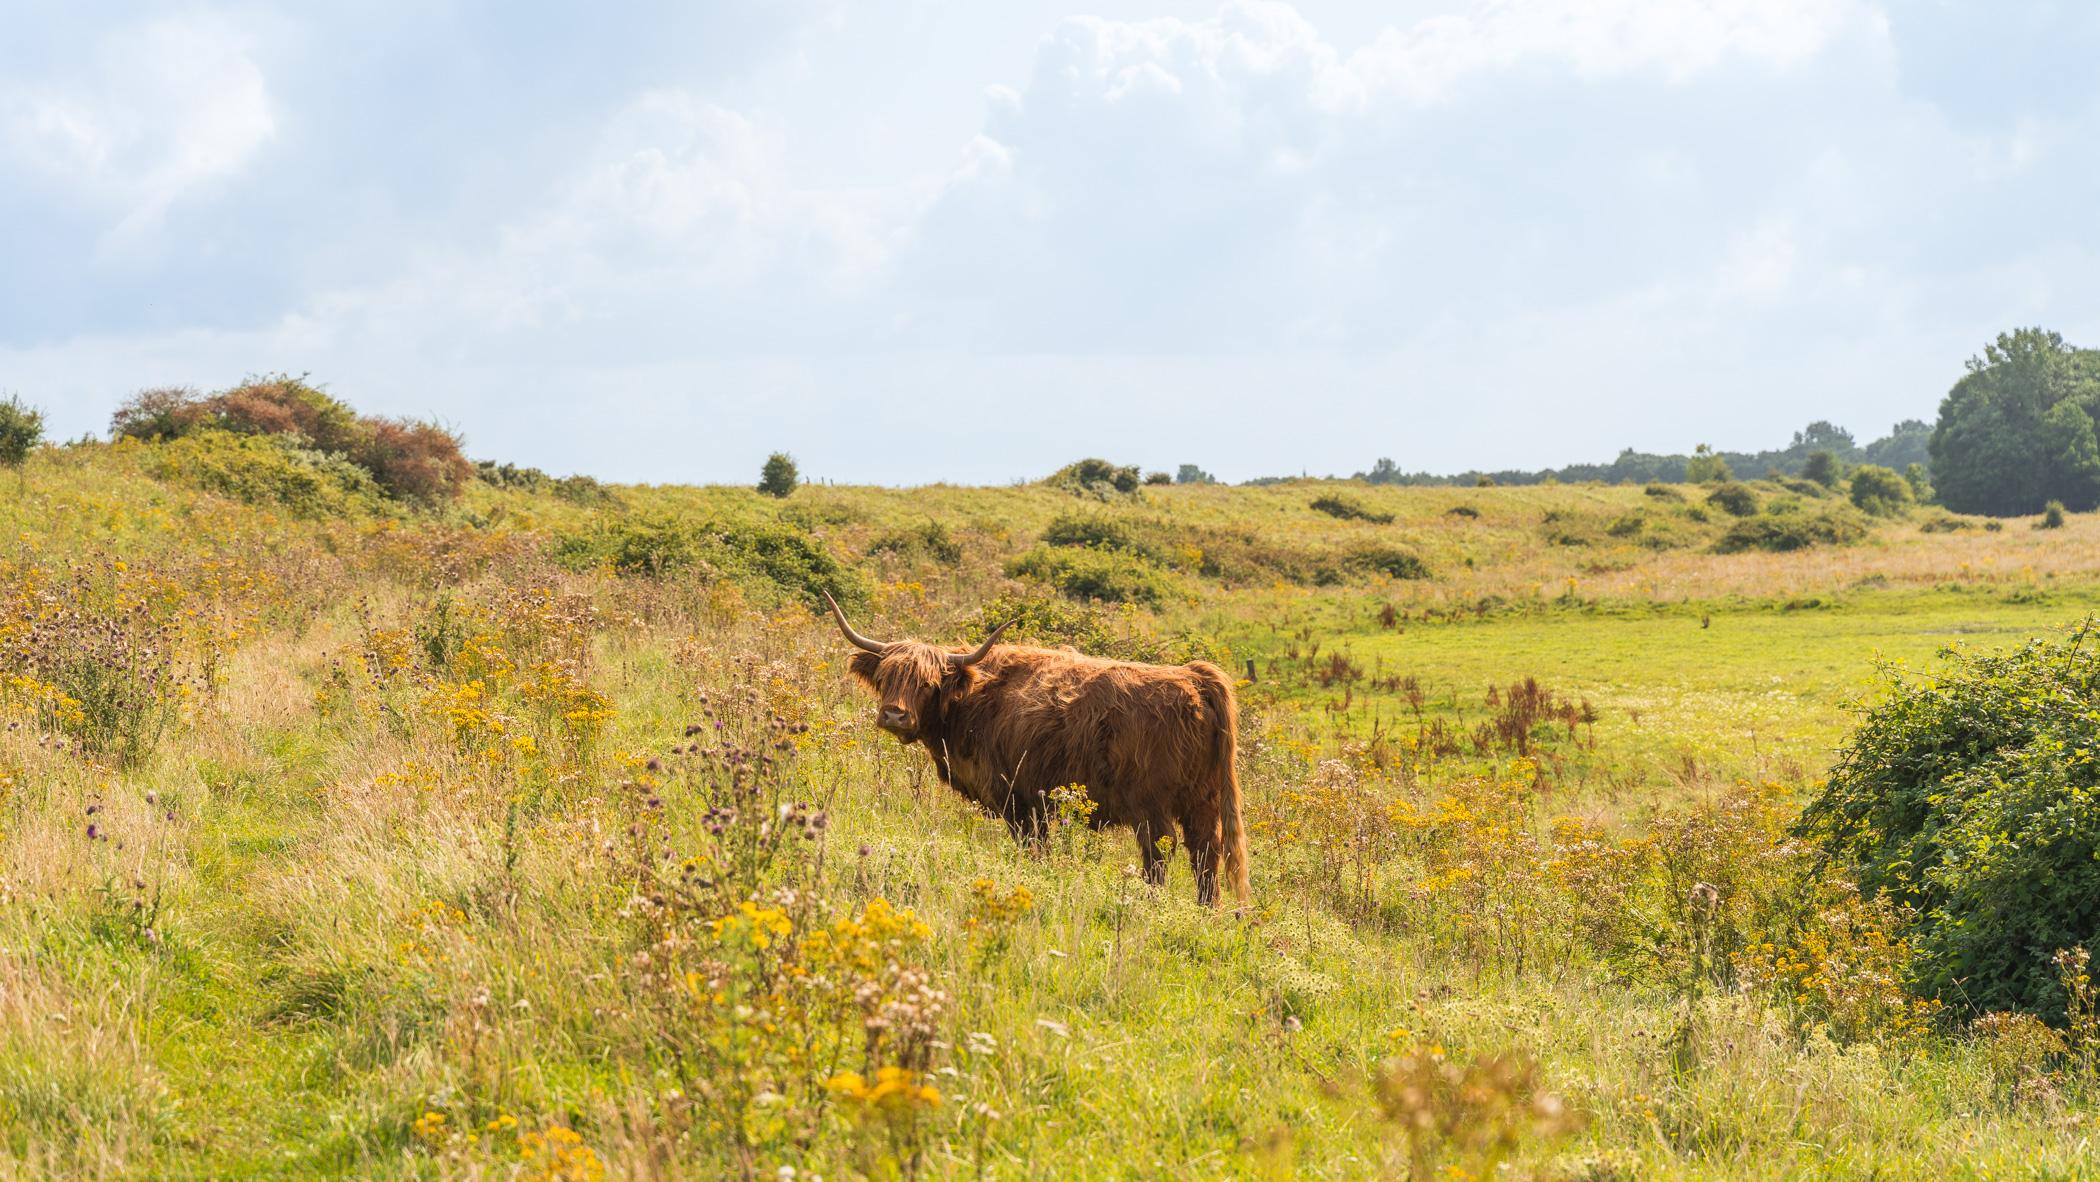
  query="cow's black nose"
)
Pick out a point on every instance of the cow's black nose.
point(896, 718)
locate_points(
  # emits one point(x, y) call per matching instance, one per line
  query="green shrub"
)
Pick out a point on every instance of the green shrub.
point(1096, 477)
point(1391, 561)
point(1945, 523)
point(1349, 509)
point(1736, 500)
point(1098, 533)
point(779, 476)
point(930, 540)
point(410, 461)
point(1973, 800)
point(1090, 627)
point(1466, 511)
point(1880, 491)
point(1804, 488)
point(268, 470)
point(1112, 576)
point(21, 429)
point(1159, 478)
point(1793, 531)
point(767, 558)
point(2052, 516)
point(1663, 492)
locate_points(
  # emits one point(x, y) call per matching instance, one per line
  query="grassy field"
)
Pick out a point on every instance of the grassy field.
point(415, 846)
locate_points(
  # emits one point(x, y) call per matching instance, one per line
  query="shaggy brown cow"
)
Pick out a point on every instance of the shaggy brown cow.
point(1007, 724)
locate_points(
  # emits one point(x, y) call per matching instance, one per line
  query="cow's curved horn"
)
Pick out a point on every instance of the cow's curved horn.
point(859, 641)
point(965, 660)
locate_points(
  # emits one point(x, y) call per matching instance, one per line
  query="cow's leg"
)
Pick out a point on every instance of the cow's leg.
point(1199, 831)
point(1152, 832)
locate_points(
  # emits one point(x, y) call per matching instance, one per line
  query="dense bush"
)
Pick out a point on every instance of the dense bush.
point(411, 461)
point(1112, 576)
point(2052, 516)
point(1877, 490)
point(582, 490)
point(1791, 531)
point(1390, 561)
point(1096, 477)
point(768, 558)
point(779, 476)
point(1736, 500)
point(1973, 799)
point(21, 429)
point(268, 470)
point(1349, 509)
point(1099, 533)
point(930, 540)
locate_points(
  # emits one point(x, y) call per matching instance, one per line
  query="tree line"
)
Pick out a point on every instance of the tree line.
point(2019, 430)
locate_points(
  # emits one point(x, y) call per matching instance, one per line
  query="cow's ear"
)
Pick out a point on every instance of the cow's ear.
point(863, 665)
point(959, 681)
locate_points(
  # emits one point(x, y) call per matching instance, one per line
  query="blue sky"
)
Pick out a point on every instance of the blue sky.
point(947, 240)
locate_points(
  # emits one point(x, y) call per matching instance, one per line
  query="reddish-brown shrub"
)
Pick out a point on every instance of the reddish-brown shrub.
point(413, 461)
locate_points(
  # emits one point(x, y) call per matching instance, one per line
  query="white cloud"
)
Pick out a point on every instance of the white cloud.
point(154, 111)
point(1673, 39)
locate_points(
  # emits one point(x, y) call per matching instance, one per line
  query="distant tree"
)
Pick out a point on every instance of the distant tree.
point(1908, 442)
point(1385, 471)
point(1823, 435)
point(1705, 467)
point(2018, 429)
point(1191, 474)
point(21, 429)
point(1920, 482)
point(1879, 491)
point(1823, 467)
point(780, 476)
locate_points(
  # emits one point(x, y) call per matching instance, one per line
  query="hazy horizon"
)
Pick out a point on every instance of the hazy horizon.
point(934, 242)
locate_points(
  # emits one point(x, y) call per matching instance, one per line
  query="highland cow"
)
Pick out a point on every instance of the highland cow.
point(1153, 745)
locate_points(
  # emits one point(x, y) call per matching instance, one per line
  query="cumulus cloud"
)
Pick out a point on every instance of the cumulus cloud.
point(1620, 222)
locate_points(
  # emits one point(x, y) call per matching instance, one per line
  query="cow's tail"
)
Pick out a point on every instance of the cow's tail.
point(1224, 774)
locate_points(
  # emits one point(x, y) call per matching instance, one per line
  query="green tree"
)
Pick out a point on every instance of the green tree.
point(1879, 491)
point(21, 429)
point(1920, 482)
point(1705, 467)
point(2018, 429)
point(1823, 468)
point(780, 476)
point(1191, 474)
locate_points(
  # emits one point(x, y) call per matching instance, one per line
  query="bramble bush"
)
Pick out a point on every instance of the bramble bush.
point(416, 462)
point(1973, 800)
point(1736, 500)
point(1112, 576)
point(1879, 491)
point(1349, 509)
point(1784, 532)
point(769, 558)
point(1096, 477)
